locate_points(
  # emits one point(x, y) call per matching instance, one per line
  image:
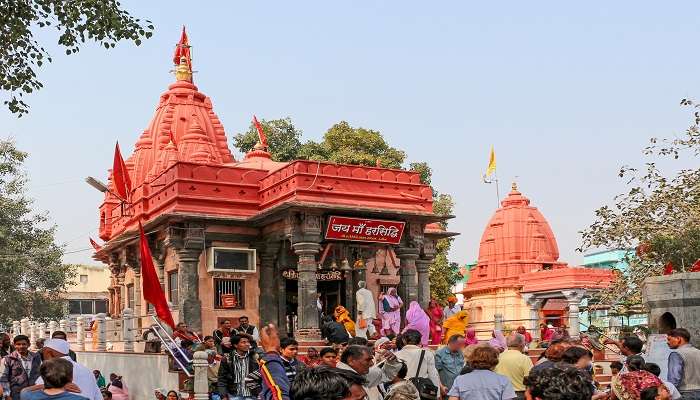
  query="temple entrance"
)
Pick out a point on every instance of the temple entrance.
point(331, 290)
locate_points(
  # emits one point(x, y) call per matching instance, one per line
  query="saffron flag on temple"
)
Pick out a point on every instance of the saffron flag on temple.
point(261, 134)
point(152, 291)
point(668, 269)
point(94, 244)
point(182, 49)
point(120, 175)
point(491, 168)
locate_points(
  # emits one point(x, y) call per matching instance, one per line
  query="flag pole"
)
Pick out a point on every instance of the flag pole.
point(498, 193)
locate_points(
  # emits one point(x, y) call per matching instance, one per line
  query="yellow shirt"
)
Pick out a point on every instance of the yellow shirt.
point(515, 366)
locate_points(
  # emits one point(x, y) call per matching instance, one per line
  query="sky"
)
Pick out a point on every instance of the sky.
point(566, 93)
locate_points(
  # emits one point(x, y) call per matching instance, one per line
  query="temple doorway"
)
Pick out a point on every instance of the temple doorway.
point(331, 290)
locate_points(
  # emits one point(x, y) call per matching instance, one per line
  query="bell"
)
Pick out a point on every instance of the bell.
point(334, 265)
point(345, 265)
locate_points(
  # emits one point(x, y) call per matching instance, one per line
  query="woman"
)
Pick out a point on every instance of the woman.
point(498, 341)
point(470, 337)
point(481, 382)
point(389, 309)
point(455, 325)
point(655, 393)
point(334, 332)
point(546, 333)
point(435, 313)
point(417, 319)
point(528, 338)
point(343, 316)
point(99, 378)
point(172, 395)
point(118, 388)
point(629, 385)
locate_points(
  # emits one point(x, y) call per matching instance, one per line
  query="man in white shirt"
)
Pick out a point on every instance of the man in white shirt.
point(366, 310)
point(83, 378)
point(411, 354)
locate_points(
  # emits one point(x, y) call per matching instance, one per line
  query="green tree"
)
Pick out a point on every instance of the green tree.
point(32, 277)
point(359, 146)
point(443, 274)
point(282, 137)
point(659, 214)
point(104, 22)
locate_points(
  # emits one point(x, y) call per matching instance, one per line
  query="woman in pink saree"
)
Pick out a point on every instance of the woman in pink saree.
point(435, 314)
point(418, 320)
point(389, 309)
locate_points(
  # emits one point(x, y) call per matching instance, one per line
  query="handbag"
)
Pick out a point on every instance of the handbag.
point(426, 389)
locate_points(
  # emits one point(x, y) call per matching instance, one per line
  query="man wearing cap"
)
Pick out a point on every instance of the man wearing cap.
point(83, 377)
point(451, 308)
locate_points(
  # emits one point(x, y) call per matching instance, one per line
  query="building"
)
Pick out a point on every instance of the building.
point(610, 259)
point(88, 295)
point(518, 273)
point(459, 286)
point(257, 237)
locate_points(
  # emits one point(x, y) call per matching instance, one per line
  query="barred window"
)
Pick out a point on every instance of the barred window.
point(228, 293)
point(172, 288)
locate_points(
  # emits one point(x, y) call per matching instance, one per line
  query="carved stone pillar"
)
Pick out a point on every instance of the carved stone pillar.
point(188, 289)
point(535, 304)
point(306, 267)
point(133, 260)
point(268, 289)
point(574, 297)
point(423, 267)
point(408, 290)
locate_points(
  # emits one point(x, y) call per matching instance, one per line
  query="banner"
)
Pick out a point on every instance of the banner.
point(292, 274)
point(364, 230)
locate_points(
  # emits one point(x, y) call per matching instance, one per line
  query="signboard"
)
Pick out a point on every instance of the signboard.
point(364, 230)
point(292, 274)
point(229, 301)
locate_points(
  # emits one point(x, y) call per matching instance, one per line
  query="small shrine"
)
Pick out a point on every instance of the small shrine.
point(256, 237)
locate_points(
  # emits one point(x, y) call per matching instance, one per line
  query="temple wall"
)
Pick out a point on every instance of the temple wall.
point(483, 306)
point(674, 302)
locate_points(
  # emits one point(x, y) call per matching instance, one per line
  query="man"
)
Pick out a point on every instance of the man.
point(289, 349)
point(684, 364)
point(275, 385)
point(21, 368)
point(449, 362)
point(629, 346)
point(329, 357)
point(57, 374)
point(183, 334)
point(359, 359)
point(224, 332)
point(559, 382)
point(366, 311)
point(311, 358)
point(451, 308)
point(5, 345)
point(411, 354)
point(234, 368)
point(62, 335)
point(208, 343)
point(515, 365)
point(83, 378)
point(325, 383)
point(250, 330)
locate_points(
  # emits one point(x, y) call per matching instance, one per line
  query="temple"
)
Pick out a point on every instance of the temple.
point(518, 274)
point(257, 237)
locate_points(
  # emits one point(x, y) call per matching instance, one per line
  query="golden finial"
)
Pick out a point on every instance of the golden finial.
point(514, 186)
point(183, 71)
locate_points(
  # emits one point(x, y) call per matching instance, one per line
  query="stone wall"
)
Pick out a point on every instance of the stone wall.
point(674, 302)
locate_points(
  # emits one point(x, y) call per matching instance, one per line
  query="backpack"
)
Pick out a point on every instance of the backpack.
point(426, 389)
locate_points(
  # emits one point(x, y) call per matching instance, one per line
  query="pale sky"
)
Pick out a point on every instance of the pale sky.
point(566, 92)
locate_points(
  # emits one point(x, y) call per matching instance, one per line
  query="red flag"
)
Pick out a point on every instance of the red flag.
point(668, 269)
point(182, 49)
point(261, 134)
point(95, 246)
point(120, 175)
point(152, 291)
point(696, 266)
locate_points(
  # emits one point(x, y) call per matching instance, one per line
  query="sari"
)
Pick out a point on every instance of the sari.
point(455, 325)
point(390, 311)
point(498, 341)
point(418, 320)
point(629, 385)
point(435, 314)
point(470, 337)
point(342, 315)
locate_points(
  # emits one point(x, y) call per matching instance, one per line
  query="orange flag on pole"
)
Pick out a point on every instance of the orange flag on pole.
point(120, 175)
point(261, 134)
point(152, 291)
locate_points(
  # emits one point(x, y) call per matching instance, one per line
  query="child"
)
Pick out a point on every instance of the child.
point(615, 367)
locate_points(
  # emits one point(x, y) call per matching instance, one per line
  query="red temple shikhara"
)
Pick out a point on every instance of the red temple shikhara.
point(518, 273)
point(257, 237)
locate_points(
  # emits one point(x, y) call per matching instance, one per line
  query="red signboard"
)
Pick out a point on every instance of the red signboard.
point(229, 301)
point(364, 230)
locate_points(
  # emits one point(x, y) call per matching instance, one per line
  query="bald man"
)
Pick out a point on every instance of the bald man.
point(366, 311)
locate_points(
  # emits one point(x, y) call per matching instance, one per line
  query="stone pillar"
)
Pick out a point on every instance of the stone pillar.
point(188, 290)
point(133, 261)
point(16, 330)
point(349, 285)
point(535, 304)
point(41, 327)
point(498, 322)
point(128, 330)
point(573, 297)
point(24, 327)
point(63, 326)
point(52, 327)
point(408, 290)
point(101, 332)
point(281, 303)
point(200, 364)
point(306, 267)
point(268, 289)
point(80, 330)
point(423, 267)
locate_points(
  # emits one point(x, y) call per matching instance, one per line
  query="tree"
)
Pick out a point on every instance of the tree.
point(659, 215)
point(282, 137)
point(31, 274)
point(443, 274)
point(347, 145)
point(104, 22)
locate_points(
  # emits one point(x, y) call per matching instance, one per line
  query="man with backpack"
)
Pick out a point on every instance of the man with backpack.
point(421, 365)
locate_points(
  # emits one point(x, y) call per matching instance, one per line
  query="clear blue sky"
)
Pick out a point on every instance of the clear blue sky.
point(566, 92)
